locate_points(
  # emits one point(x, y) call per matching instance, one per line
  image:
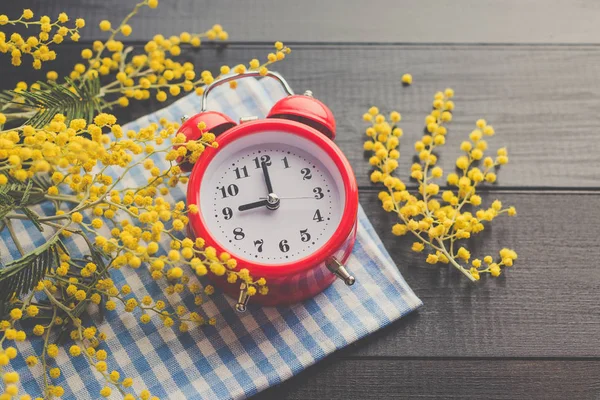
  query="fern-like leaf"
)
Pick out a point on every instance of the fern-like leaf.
point(72, 99)
point(20, 276)
point(7, 204)
point(19, 195)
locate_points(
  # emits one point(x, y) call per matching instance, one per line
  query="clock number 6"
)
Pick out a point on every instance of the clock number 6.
point(238, 234)
point(284, 246)
point(231, 190)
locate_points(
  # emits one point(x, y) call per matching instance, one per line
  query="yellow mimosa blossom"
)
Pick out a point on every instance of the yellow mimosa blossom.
point(440, 219)
point(69, 160)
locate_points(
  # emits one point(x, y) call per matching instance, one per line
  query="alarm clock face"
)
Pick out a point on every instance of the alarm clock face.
point(271, 197)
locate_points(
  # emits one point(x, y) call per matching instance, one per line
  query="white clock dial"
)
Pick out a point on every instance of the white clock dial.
point(306, 181)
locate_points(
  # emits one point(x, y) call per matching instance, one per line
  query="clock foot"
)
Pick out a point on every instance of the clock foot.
point(340, 271)
point(243, 298)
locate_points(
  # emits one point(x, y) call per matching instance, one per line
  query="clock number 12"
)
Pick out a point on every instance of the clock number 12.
point(263, 159)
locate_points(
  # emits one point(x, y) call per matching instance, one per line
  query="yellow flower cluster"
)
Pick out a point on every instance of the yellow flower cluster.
point(155, 72)
point(89, 340)
point(38, 47)
point(439, 220)
point(83, 163)
point(77, 156)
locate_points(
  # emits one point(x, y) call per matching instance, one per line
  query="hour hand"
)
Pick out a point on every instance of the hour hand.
point(256, 204)
point(267, 177)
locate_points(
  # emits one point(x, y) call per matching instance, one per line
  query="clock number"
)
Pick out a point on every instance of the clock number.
point(238, 234)
point(284, 246)
point(285, 162)
point(304, 235)
point(263, 159)
point(318, 193)
point(241, 172)
point(232, 190)
point(317, 217)
point(228, 213)
point(306, 173)
point(259, 244)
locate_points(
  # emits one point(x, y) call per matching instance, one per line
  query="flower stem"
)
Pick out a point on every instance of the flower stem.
point(459, 267)
point(13, 235)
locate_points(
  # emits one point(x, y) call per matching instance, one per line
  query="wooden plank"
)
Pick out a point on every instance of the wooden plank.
point(555, 234)
point(547, 305)
point(539, 99)
point(443, 379)
point(468, 21)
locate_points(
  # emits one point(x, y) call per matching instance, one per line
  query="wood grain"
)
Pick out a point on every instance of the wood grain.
point(541, 101)
point(443, 379)
point(547, 305)
point(462, 21)
point(533, 332)
point(554, 288)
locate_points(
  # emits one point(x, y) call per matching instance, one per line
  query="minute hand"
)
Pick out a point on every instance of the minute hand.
point(267, 178)
point(256, 204)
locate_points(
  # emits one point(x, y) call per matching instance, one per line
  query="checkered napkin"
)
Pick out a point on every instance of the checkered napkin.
point(244, 353)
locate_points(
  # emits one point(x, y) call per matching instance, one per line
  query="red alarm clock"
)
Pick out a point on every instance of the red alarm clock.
point(277, 194)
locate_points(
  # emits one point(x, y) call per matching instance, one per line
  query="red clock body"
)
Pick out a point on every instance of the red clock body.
point(279, 196)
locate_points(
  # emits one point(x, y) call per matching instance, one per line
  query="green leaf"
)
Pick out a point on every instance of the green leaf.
point(22, 275)
point(53, 98)
point(19, 195)
point(7, 203)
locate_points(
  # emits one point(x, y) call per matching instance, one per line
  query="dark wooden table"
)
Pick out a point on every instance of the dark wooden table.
point(532, 69)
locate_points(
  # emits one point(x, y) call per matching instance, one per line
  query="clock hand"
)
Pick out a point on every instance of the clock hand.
point(256, 204)
point(293, 197)
point(267, 177)
point(272, 203)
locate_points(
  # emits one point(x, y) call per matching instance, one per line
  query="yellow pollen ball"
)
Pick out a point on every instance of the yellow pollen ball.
point(175, 273)
point(126, 30)
point(105, 25)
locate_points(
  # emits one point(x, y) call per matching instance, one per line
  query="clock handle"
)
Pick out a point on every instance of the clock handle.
point(340, 271)
point(243, 298)
point(235, 76)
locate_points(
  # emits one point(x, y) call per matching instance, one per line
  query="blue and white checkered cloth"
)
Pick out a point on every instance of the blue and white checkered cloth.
point(244, 353)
